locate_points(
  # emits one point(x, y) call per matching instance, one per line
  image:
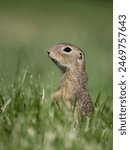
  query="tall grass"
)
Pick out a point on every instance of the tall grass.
point(29, 119)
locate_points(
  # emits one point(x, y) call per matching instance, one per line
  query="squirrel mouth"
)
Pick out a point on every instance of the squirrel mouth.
point(57, 63)
point(54, 60)
point(62, 67)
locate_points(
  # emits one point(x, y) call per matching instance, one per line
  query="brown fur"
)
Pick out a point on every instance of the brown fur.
point(74, 80)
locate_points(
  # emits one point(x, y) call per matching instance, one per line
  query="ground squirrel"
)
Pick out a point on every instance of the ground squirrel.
point(71, 60)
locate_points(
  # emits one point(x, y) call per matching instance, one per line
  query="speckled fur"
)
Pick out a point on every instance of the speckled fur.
point(74, 80)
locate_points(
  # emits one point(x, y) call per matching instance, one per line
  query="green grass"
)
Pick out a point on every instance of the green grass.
point(29, 119)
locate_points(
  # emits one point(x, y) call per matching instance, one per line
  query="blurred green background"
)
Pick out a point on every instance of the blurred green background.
point(28, 28)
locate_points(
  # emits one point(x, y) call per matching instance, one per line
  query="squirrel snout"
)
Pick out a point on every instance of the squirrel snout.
point(48, 52)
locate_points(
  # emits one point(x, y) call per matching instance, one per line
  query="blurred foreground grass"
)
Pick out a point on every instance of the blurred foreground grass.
point(28, 119)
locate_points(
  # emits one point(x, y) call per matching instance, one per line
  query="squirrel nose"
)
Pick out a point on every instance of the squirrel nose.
point(48, 52)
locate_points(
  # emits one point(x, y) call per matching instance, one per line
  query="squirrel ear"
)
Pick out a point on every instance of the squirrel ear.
point(80, 59)
point(81, 55)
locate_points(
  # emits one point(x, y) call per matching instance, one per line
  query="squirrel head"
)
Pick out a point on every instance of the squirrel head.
point(67, 56)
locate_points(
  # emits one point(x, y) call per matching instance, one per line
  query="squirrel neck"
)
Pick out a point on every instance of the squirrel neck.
point(74, 80)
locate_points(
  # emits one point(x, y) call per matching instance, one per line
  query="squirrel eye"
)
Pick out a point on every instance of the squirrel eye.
point(67, 49)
